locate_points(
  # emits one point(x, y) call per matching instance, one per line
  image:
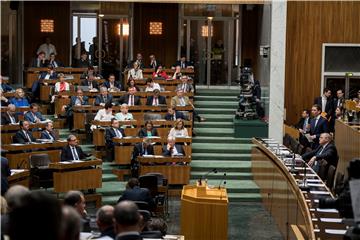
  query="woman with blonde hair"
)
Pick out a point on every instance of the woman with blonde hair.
point(179, 129)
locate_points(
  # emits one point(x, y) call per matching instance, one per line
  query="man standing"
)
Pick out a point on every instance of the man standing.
point(318, 125)
point(325, 102)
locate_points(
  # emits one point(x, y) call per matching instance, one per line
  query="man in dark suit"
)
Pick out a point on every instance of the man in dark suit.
point(112, 85)
point(49, 133)
point(54, 62)
point(183, 63)
point(103, 98)
point(325, 151)
point(325, 102)
point(185, 85)
point(133, 192)
point(127, 221)
point(110, 133)
point(50, 74)
point(5, 87)
point(39, 61)
point(318, 125)
point(304, 127)
point(9, 117)
point(90, 82)
point(155, 99)
point(140, 149)
point(130, 99)
point(139, 60)
point(83, 62)
point(5, 173)
point(172, 149)
point(173, 115)
point(154, 63)
point(72, 151)
point(24, 135)
point(104, 221)
point(34, 116)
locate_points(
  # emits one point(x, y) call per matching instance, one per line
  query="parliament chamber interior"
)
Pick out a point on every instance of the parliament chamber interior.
point(185, 120)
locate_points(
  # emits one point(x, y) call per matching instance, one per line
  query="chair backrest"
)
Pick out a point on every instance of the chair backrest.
point(39, 160)
point(145, 214)
point(160, 178)
point(330, 177)
point(150, 182)
point(142, 205)
point(89, 117)
point(286, 140)
point(152, 116)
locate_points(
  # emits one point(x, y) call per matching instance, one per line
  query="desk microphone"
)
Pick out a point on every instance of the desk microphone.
point(293, 163)
point(214, 170)
point(223, 180)
point(304, 186)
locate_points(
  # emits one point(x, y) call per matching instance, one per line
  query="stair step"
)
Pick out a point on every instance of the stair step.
point(221, 156)
point(216, 104)
point(234, 186)
point(218, 117)
point(110, 200)
point(220, 175)
point(113, 188)
point(208, 124)
point(244, 197)
point(217, 92)
point(224, 98)
point(224, 166)
point(202, 139)
point(221, 148)
point(109, 177)
point(219, 111)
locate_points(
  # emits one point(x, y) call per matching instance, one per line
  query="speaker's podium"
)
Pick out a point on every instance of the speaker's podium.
point(204, 213)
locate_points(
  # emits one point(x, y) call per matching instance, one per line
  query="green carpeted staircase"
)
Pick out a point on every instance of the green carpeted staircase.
point(215, 147)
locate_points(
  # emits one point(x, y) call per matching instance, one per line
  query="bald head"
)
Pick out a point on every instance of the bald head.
point(127, 217)
point(14, 195)
point(105, 216)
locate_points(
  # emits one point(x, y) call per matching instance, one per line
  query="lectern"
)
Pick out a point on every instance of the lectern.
point(204, 213)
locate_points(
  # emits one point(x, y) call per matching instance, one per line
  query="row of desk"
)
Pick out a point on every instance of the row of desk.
point(295, 211)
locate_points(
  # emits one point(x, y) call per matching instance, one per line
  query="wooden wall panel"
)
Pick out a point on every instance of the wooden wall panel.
point(163, 46)
point(309, 24)
point(33, 38)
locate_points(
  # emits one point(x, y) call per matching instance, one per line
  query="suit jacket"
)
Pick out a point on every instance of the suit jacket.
point(34, 63)
point(110, 134)
point(29, 116)
point(52, 76)
point(150, 99)
point(125, 99)
point(46, 135)
point(66, 154)
point(99, 99)
point(85, 82)
point(175, 101)
point(157, 63)
point(301, 122)
point(143, 132)
point(186, 63)
point(129, 236)
point(329, 154)
point(21, 138)
point(5, 173)
point(140, 151)
point(5, 119)
point(188, 87)
point(328, 107)
point(178, 147)
point(170, 117)
point(320, 128)
point(116, 84)
point(6, 87)
point(58, 63)
point(138, 194)
point(335, 102)
point(82, 64)
point(73, 100)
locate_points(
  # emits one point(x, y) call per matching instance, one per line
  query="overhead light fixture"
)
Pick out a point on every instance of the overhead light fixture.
point(125, 29)
point(205, 31)
point(47, 25)
point(101, 15)
point(155, 28)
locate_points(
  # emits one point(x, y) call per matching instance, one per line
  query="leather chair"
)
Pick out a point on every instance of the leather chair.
point(40, 174)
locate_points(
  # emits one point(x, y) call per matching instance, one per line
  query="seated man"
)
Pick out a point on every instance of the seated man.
point(103, 98)
point(91, 83)
point(154, 63)
point(111, 132)
point(325, 151)
point(180, 99)
point(39, 61)
point(83, 62)
point(172, 149)
point(130, 99)
point(9, 117)
point(4, 87)
point(104, 221)
point(54, 62)
point(49, 132)
point(34, 116)
point(24, 135)
point(72, 151)
point(183, 63)
point(76, 200)
point(77, 100)
point(177, 74)
point(173, 115)
point(151, 85)
point(50, 74)
point(185, 85)
point(133, 192)
point(126, 221)
point(156, 99)
point(140, 149)
point(112, 85)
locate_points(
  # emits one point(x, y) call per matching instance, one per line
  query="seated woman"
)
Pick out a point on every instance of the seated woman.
point(105, 114)
point(151, 85)
point(124, 114)
point(148, 130)
point(135, 72)
point(160, 73)
point(177, 73)
point(179, 129)
point(20, 100)
point(61, 86)
point(131, 84)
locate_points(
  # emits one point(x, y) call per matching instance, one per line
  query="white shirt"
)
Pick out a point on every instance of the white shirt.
point(47, 49)
point(102, 115)
point(135, 74)
point(317, 120)
point(151, 89)
point(323, 104)
point(123, 117)
point(57, 86)
point(178, 133)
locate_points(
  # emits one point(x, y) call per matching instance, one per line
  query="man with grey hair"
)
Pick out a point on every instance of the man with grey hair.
point(14, 195)
point(72, 151)
point(9, 117)
point(127, 219)
point(103, 98)
point(172, 149)
point(324, 154)
point(104, 220)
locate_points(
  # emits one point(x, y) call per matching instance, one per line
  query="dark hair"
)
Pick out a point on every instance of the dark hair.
point(149, 80)
point(37, 217)
point(108, 105)
point(33, 105)
point(149, 122)
point(42, 52)
point(113, 120)
point(133, 182)
point(307, 111)
point(340, 89)
point(326, 90)
point(157, 224)
point(126, 213)
point(71, 198)
point(317, 106)
point(71, 224)
point(111, 75)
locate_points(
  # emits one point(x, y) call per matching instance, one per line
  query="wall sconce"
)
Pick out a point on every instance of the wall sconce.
point(205, 30)
point(155, 28)
point(125, 29)
point(47, 25)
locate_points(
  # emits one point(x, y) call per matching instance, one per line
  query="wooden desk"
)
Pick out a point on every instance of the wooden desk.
point(19, 177)
point(18, 109)
point(283, 198)
point(78, 175)
point(347, 141)
point(204, 213)
point(176, 174)
point(18, 154)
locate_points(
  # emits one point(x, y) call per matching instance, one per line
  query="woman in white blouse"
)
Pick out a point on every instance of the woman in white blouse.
point(136, 72)
point(105, 114)
point(178, 130)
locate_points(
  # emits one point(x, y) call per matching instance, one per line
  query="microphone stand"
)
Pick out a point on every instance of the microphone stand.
point(304, 186)
point(223, 179)
point(293, 163)
point(205, 175)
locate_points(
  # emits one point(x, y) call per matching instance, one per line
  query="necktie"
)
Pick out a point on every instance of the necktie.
point(184, 87)
point(105, 99)
point(74, 153)
point(174, 116)
point(35, 118)
point(305, 123)
point(51, 137)
point(12, 119)
point(182, 65)
point(182, 102)
point(320, 150)
point(118, 133)
point(316, 121)
point(132, 100)
point(27, 136)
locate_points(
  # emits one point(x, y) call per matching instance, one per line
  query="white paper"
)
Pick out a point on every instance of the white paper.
point(335, 231)
point(327, 210)
point(320, 192)
point(332, 220)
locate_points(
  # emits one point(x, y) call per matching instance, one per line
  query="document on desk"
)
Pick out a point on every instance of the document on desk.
point(320, 192)
point(332, 220)
point(324, 210)
point(336, 231)
point(13, 171)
